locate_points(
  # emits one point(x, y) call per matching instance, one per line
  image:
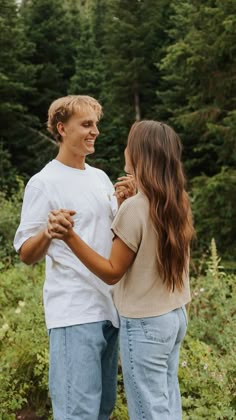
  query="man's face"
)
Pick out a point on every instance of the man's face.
point(79, 133)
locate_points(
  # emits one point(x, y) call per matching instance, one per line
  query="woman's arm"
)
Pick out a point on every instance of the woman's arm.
point(109, 270)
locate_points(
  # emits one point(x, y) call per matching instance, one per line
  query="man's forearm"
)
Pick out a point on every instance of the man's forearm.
point(35, 248)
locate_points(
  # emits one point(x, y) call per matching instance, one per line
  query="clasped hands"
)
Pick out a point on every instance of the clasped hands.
point(125, 188)
point(60, 222)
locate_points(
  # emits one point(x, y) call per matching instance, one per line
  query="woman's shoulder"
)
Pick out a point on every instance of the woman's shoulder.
point(136, 205)
point(138, 201)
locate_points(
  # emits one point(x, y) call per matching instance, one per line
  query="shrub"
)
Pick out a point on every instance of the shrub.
point(207, 362)
point(10, 207)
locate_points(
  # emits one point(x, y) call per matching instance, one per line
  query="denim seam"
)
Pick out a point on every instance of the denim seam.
point(185, 315)
point(66, 350)
point(132, 370)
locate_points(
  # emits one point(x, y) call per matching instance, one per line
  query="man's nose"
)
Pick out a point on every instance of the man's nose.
point(95, 131)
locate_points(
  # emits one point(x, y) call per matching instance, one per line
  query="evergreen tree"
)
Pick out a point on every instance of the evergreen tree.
point(127, 40)
point(52, 28)
point(90, 79)
point(199, 98)
point(135, 35)
point(49, 28)
point(16, 80)
point(199, 94)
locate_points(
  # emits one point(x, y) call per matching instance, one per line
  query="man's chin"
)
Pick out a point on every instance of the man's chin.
point(90, 152)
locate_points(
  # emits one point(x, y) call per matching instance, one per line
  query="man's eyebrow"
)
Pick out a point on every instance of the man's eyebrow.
point(90, 121)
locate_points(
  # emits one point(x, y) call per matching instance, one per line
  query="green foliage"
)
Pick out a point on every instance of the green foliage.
point(120, 412)
point(208, 368)
point(199, 89)
point(205, 387)
point(16, 78)
point(207, 363)
point(10, 207)
point(214, 210)
point(23, 342)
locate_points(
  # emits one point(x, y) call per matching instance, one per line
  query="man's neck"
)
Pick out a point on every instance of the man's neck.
point(77, 162)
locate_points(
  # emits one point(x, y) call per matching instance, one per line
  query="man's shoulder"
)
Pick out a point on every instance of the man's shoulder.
point(42, 176)
point(98, 172)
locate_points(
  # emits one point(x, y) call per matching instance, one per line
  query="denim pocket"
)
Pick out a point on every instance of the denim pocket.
point(160, 328)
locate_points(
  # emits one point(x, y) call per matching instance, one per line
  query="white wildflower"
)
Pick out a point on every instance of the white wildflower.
point(5, 327)
point(18, 310)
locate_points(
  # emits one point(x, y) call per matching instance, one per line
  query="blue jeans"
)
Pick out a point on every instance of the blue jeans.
point(83, 371)
point(150, 356)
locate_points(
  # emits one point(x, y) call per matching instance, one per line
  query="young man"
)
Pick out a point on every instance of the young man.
point(80, 314)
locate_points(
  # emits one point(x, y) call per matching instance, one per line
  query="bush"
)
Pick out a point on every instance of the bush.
point(214, 210)
point(207, 362)
point(10, 208)
point(23, 342)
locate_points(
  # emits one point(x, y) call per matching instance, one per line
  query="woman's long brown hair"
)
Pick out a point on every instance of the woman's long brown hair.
point(154, 150)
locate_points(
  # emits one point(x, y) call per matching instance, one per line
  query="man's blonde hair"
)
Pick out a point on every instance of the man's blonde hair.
point(62, 109)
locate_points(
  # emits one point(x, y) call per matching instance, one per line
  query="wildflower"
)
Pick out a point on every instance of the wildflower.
point(21, 303)
point(184, 364)
point(5, 327)
point(195, 293)
point(18, 310)
point(202, 289)
point(205, 366)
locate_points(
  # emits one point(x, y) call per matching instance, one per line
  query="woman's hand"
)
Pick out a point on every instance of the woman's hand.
point(59, 223)
point(125, 188)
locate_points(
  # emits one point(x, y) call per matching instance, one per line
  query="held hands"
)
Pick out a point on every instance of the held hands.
point(125, 188)
point(59, 223)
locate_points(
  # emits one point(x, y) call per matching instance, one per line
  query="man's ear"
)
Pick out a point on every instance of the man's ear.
point(61, 129)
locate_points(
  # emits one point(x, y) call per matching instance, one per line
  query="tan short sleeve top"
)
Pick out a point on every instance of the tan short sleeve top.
point(141, 291)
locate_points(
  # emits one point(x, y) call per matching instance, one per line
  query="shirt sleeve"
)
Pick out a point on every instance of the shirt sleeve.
point(127, 225)
point(34, 215)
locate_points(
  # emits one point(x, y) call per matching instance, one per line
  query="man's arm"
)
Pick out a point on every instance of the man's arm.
point(35, 248)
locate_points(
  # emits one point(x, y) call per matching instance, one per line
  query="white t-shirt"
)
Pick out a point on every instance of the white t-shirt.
point(72, 294)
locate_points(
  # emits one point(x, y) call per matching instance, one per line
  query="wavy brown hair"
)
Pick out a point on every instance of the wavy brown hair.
point(155, 152)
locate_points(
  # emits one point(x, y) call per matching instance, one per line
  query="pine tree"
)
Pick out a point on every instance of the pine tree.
point(200, 90)
point(16, 78)
point(128, 41)
point(51, 27)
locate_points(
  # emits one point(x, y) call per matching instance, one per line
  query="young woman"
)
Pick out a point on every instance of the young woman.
point(149, 262)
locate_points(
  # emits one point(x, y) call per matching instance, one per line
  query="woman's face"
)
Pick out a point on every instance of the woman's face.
point(128, 167)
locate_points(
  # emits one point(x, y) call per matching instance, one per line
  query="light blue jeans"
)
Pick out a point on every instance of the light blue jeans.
point(150, 356)
point(83, 371)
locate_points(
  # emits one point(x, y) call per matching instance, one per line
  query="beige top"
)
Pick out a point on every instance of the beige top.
point(141, 291)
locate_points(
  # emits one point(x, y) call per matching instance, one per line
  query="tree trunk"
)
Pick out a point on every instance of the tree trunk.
point(137, 106)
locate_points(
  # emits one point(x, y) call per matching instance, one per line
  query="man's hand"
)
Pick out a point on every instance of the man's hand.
point(125, 188)
point(59, 223)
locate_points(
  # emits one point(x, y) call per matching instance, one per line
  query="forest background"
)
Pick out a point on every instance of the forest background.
point(173, 61)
